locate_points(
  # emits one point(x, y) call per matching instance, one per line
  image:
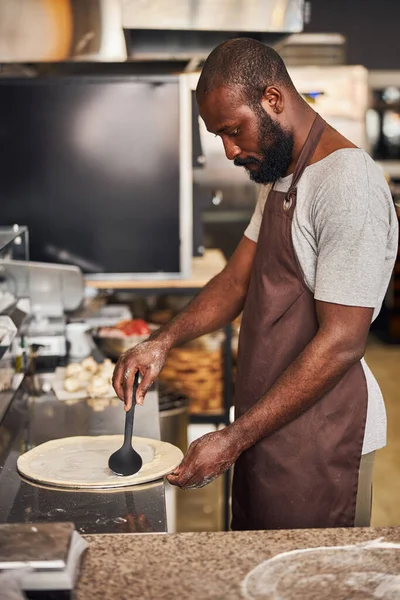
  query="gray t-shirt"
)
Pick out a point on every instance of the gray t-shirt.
point(345, 235)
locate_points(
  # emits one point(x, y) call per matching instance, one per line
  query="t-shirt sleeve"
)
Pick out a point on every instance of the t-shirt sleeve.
point(352, 225)
point(253, 228)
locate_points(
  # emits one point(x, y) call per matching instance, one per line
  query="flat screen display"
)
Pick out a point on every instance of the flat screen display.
point(91, 165)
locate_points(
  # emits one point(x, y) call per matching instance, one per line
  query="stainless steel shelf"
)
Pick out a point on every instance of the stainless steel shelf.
point(31, 421)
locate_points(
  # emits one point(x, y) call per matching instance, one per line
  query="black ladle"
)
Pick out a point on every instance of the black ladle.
point(126, 461)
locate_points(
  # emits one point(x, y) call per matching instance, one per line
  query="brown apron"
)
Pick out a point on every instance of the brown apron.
point(306, 474)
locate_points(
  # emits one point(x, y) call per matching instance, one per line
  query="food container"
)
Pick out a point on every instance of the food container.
point(80, 344)
point(196, 370)
point(113, 346)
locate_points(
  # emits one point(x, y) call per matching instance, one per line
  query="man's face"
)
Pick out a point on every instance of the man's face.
point(252, 139)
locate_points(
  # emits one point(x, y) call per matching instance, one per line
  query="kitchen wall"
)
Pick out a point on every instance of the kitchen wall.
point(371, 29)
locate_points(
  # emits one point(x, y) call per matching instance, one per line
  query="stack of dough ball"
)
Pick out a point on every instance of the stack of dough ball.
point(95, 378)
point(98, 387)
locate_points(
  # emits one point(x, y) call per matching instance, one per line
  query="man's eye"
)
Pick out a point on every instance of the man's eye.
point(231, 133)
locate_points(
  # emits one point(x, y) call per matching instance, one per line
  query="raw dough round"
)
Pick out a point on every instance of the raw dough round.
point(84, 376)
point(97, 387)
point(89, 364)
point(106, 369)
point(366, 570)
point(82, 462)
point(73, 369)
point(72, 384)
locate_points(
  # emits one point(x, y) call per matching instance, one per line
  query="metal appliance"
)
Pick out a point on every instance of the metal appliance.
point(111, 30)
point(37, 30)
point(383, 121)
point(339, 94)
point(214, 15)
point(52, 291)
point(174, 418)
point(49, 291)
point(34, 297)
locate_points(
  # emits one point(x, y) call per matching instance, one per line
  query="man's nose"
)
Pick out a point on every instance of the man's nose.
point(231, 149)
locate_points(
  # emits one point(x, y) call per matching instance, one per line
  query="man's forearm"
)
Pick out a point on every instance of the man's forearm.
point(218, 303)
point(316, 371)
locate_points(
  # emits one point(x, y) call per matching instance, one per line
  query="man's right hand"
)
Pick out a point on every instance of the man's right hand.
point(149, 358)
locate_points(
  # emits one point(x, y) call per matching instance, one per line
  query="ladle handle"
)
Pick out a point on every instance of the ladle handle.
point(130, 414)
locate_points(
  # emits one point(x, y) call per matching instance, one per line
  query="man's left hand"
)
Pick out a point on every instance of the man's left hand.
point(207, 458)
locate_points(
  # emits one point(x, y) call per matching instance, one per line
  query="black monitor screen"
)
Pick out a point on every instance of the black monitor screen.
point(91, 165)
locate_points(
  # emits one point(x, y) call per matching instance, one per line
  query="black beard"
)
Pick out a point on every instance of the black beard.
point(277, 154)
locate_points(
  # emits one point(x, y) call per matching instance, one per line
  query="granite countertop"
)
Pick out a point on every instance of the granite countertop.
point(214, 565)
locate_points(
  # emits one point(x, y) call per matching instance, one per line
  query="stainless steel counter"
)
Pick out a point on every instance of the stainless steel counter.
point(31, 421)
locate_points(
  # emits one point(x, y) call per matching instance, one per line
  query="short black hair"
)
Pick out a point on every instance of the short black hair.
point(244, 63)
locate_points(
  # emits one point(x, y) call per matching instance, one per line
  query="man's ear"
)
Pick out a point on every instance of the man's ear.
point(272, 100)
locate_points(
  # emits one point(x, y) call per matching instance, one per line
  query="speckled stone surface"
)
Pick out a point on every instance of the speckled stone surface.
point(200, 565)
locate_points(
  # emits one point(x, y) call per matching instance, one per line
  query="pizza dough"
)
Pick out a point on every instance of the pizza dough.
point(366, 570)
point(73, 369)
point(82, 462)
point(97, 387)
point(72, 384)
point(89, 364)
point(87, 379)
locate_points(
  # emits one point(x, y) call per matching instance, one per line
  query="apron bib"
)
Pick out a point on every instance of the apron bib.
point(305, 475)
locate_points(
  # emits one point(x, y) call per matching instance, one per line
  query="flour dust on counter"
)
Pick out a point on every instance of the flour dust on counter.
point(336, 572)
point(82, 462)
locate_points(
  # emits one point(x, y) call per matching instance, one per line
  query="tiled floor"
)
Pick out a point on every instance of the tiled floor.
point(201, 510)
point(384, 362)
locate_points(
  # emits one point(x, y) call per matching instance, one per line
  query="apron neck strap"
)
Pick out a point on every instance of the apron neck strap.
point(308, 149)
